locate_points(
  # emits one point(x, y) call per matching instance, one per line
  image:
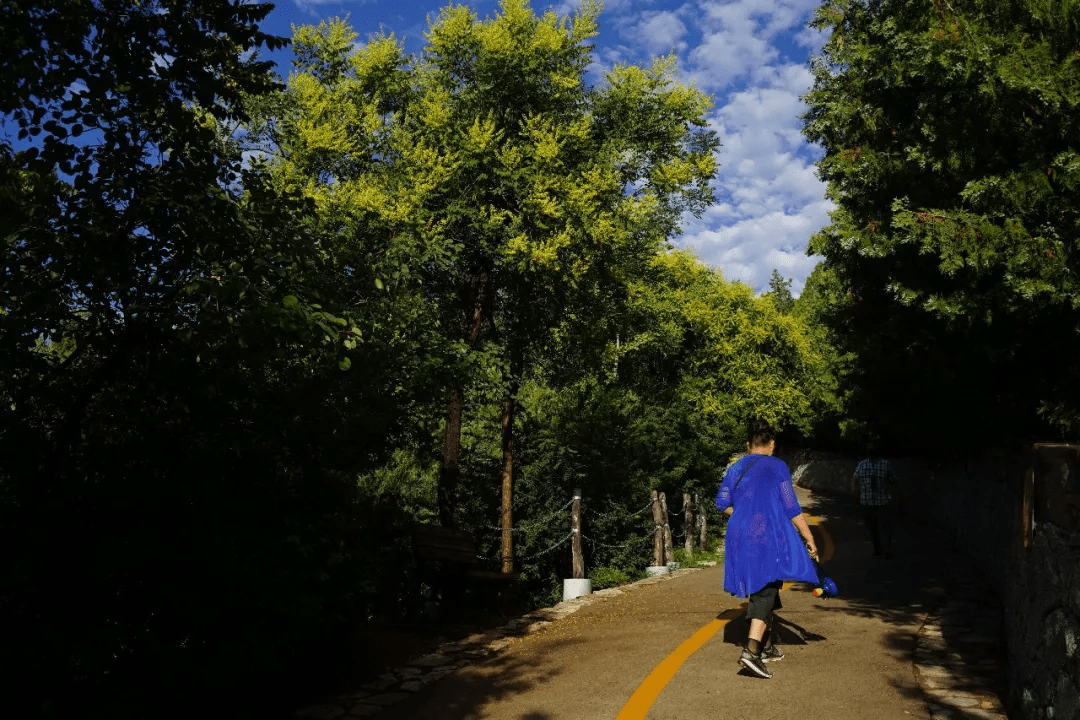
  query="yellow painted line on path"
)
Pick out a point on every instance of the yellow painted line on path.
point(637, 707)
point(639, 704)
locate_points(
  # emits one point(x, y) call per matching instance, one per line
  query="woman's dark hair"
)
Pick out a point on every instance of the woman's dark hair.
point(759, 432)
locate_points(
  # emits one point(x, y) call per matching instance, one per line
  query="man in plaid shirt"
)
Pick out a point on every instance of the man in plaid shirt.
point(873, 481)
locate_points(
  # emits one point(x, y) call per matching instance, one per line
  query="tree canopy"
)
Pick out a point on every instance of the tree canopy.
point(253, 328)
point(950, 137)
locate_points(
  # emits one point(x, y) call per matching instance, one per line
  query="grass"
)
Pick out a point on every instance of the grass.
point(700, 558)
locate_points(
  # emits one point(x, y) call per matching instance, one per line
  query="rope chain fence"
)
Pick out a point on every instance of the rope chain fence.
point(545, 551)
point(541, 524)
point(537, 524)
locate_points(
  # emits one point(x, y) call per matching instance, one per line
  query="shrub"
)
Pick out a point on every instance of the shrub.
point(605, 577)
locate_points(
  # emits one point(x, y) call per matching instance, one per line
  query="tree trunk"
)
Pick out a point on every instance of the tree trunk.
point(688, 523)
point(703, 527)
point(575, 524)
point(449, 471)
point(669, 550)
point(658, 535)
point(508, 485)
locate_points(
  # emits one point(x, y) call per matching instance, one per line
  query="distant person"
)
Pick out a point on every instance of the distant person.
point(873, 482)
point(761, 547)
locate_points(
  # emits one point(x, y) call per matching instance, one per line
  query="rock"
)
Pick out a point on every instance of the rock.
point(386, 699)
point(363, 711)
point(322, 712)
point(381, 684)
point(412, 685)
point(934, 670)
point(434, 676)
point(1068, 699)
point(980, 639)
point(433, 660)
point(980, 714)
point(960, 702)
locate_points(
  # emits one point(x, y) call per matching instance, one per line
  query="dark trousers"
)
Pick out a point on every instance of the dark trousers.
point(763, 602)
point(879, 521)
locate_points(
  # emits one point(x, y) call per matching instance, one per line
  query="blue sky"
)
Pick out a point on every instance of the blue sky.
point(751, 55)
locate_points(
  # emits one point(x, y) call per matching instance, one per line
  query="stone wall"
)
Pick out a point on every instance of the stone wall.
point(979, 502)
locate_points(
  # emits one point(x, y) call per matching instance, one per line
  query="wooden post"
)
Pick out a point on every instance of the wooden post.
point(508, 486)
point(669, 550)
point(703, 527)
point(575, 525)
point(658, 535)
point(688, 523)
point(1027, 507)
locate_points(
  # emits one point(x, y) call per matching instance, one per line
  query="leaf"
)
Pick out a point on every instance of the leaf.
point(345, 363)
point(290, 301)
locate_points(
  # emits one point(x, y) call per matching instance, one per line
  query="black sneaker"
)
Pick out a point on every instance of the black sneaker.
point(771, 654)
point(754, 664)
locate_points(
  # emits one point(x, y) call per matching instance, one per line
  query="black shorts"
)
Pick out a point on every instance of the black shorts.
point(764, 601)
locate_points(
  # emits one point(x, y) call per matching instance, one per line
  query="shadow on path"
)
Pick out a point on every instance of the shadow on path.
point(473, 688)
point(931, 585)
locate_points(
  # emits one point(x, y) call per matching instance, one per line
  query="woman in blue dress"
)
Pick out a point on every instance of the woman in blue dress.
point(761, 547)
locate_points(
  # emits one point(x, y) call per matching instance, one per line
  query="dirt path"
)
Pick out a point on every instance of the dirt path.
point(850, 657)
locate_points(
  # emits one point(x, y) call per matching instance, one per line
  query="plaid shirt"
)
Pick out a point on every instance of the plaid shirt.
point(875, 482)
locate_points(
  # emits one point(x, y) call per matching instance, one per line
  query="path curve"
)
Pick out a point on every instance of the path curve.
point(908, 638)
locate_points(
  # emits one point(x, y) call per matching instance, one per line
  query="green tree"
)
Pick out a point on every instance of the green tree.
point(719, 355)
point(179, 446)
point(516, 205)
point(780, 292)
point(663, 410)
point(950, 136)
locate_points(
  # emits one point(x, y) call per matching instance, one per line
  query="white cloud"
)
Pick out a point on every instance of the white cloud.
point(739, 37)
point(312, 6)
point(659, 32)
point(749, 249)
point(771, 200)
point(725, 56)
point(812, 39)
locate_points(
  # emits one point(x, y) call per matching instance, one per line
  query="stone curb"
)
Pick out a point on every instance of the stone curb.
point(956, 657)
point(397, 684)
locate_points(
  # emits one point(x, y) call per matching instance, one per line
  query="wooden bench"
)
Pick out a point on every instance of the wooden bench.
point(447, 558)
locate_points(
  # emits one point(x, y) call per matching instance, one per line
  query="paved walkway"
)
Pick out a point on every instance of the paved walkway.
point(913, 637)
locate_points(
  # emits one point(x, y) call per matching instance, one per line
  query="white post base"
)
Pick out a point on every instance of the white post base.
point(654, 570)
point(574, 588)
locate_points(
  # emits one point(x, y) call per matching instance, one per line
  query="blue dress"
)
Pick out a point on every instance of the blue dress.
point(761, 544)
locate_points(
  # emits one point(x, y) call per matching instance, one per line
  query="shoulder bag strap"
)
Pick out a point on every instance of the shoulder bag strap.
point(746, 469)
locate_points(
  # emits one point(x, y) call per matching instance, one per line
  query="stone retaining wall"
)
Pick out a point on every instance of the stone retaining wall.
point(979, 502)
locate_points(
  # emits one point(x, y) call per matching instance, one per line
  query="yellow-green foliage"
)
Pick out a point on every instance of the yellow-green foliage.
point(739, 355)
point(488, 140)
